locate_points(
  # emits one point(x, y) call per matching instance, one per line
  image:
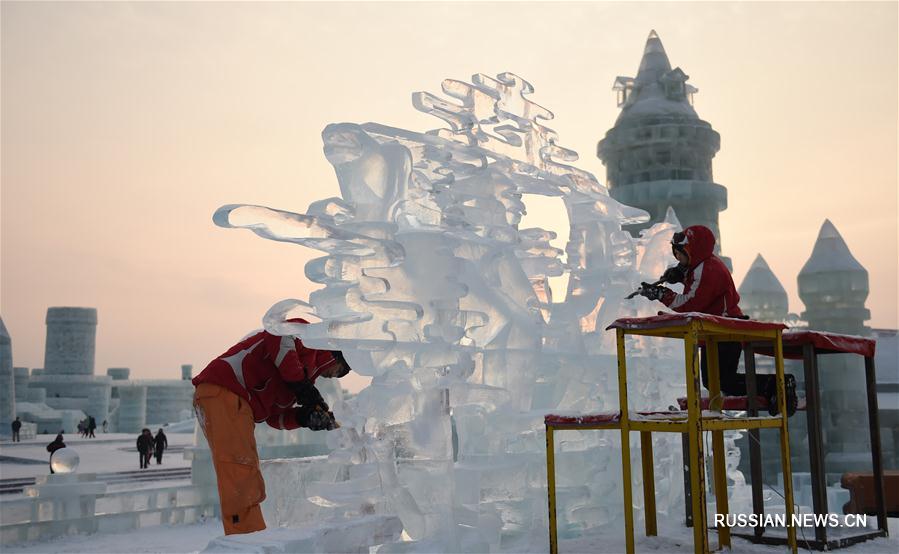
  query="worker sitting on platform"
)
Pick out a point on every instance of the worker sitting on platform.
point(709, 289)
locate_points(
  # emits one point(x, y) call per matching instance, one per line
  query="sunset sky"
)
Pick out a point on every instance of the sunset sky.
point(124, 126)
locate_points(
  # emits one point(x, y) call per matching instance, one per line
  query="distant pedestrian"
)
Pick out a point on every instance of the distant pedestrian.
point(105, 425)
point(16, 425)
point(81, 428)
point(53, 447)
point(91, 427)
point(160, 443)
point(145, 447)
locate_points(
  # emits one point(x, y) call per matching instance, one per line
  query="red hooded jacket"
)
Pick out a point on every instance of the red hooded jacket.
point(257, 368)
point(708, 287)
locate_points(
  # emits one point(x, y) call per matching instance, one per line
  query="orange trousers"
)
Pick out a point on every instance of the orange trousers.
point(227, 421)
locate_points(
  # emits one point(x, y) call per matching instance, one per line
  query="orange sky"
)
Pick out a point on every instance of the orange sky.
point(124, 126)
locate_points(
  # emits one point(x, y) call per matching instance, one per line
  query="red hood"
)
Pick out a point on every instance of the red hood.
point(700, 244)
point(297, 320)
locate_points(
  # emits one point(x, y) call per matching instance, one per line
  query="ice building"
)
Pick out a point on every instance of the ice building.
point(7, 382)
point(659, 152)
point(68, 374)
point(887, 361)
point(762, 296)
point(833, 285)
point(143, 403)
point(66, 390)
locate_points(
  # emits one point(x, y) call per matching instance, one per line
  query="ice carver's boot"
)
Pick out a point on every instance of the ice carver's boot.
point(792, 400)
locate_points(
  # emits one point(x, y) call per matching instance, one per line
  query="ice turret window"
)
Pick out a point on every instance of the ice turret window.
point(675, 91)
point(623, 86)
point(675, 84)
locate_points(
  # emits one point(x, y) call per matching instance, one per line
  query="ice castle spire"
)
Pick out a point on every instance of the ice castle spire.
point(659, 153)
point(761, 294)
point(834, 285)
point(830, 253)
point(655, 61)
point(657, 89)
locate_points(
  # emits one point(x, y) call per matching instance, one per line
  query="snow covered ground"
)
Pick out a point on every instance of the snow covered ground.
point(115, 452)
point(194, 538)
point(162, 539)
point(676, 538)
point(107, 453)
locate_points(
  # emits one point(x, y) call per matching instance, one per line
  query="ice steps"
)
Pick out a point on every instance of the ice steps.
point(17, 485)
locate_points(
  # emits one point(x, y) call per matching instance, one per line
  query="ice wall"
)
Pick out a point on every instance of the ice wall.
point(431, 288)
point(7, 382)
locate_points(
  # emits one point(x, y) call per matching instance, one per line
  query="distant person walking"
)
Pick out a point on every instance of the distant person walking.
point(160, 443)
point(53, 447)
point(16, 425)
point(91, 427)
point(105, 425)
point(145, 447)
point(81, 428)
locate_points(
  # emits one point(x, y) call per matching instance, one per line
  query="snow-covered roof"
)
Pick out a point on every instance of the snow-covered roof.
point(648, 97)
point(830, 253)
point(760, 278)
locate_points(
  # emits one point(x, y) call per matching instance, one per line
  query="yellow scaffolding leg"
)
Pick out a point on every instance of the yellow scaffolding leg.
point(649, 486)
point(784, 441)
point(625, 446)
point(551, 489)
point(697, 465)
point(718, 456)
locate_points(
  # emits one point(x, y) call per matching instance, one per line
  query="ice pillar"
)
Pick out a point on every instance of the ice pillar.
point(21, 379)
point(132, 408)
point(71, 341)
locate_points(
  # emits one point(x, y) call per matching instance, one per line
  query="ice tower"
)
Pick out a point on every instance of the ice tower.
point(68, 374)
point(834, 286)
point(659, 153)
point(761, 294)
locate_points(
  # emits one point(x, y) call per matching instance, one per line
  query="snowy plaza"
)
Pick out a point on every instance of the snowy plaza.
point(496, 330)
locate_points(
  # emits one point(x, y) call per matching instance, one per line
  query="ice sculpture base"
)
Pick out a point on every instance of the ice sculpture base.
point(336, 536)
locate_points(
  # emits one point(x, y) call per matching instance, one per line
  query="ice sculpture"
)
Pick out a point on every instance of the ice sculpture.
point(64, 460)
point(431, 288)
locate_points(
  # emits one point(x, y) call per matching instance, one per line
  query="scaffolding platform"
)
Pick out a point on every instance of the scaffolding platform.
point(808, 345)
point(693, 329)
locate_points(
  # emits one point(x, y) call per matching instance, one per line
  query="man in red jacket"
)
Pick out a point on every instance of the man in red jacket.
point(709, 289)
point(266, 378)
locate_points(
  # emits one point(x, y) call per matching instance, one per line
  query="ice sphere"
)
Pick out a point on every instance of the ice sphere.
point(64, 460)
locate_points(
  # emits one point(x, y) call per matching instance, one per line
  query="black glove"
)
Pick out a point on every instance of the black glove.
point(307, 394)
point(315, 418)
point(675, 274)
point(652, 292)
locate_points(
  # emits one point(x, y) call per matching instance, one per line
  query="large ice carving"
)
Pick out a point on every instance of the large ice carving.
point(431, 288)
